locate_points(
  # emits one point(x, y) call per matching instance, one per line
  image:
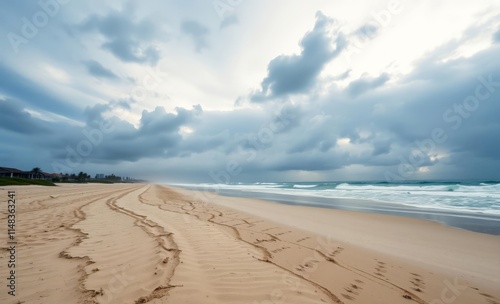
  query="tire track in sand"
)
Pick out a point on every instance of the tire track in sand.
point(313, 264)
point(124, 262)
point(42, 234)
point(217, 267)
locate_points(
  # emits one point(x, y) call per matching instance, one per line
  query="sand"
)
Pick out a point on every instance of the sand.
point(137, 243)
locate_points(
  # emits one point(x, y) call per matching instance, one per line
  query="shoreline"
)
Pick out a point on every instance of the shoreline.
point(361, 225)
point(468, 221)
point(146, 243)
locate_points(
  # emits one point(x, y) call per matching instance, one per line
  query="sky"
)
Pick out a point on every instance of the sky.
point(226, 91)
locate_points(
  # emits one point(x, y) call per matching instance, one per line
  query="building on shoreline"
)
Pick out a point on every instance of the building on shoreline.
point(13, 172)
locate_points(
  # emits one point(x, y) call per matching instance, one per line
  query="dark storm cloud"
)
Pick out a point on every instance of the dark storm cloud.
point(311, 161)
point(317, 141)
point(159, 121)
point(380, 147)
point(298, 73)
point(383, 127)
point(342, 76)
point(364, 84)
point(223, 132)
point(371, 123)
point(158, 135)
point(366, 31)
point(434, 96)
point(18, 87)
point(95, 113)
point(126, 39)
point(197, 32)
point(386, 127)
point(496, 36)
point(478, 140)
point(28, 139)
point(98, 70)
point(13, 117)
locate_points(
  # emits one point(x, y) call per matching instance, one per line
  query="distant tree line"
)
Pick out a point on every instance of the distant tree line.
point(113, 177)
point(81, 177)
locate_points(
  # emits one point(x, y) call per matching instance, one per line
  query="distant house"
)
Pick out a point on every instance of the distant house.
point(99, 176)
point(12, 172)
point(53, 176)
point(38, 175)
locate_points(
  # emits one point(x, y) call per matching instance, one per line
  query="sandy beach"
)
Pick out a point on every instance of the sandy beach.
point(138, 243)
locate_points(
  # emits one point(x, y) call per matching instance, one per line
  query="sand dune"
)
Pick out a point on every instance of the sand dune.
point(152, 244)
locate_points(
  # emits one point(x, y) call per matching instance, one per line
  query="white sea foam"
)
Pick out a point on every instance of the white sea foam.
point(304, 186)
point(482, 198)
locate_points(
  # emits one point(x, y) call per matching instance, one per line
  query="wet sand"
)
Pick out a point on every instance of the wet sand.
point(477, 222)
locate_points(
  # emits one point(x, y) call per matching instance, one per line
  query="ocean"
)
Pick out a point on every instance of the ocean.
point(470, 205)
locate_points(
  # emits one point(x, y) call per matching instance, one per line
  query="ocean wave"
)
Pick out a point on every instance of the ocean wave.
point(304, 186)
point(465, 197)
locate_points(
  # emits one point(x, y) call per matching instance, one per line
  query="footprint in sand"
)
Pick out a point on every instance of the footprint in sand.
point(280, 249)
point(417, 282)
point(381, 269)
point(336, 251)
point(308, 265)
point(353, 290)
point(268, 229)
point(302, 239)
point(281, 233)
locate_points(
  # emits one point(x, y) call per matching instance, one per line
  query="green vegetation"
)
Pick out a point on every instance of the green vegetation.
point(82, 177)
point(15, 181)
point(38, 177)
point(36, 171)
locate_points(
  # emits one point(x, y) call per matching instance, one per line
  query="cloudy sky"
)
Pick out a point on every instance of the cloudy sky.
point(246, 91)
